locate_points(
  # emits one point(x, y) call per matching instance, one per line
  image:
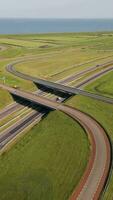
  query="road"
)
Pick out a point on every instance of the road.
point(12, 70)
point(64, 88)
point(95, 175)
point(97, 170)
point(9, 110)
point(98, 166)
point(85, 71)
point(8, 134)
point(14, 107)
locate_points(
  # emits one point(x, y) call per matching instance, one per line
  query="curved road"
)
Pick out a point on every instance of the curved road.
point(12, 108)
point(97, 170)
point(64, 88)
point(11, 69)
point(95, 175)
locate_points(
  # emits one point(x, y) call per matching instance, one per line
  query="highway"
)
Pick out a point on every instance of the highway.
point(85, 71)
point(8, 134)
point(9, 110)
point(14, 107)
point(98, 167)
point(64, 88)
point(91, 186)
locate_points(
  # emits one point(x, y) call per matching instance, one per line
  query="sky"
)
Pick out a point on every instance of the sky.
point(56, 8)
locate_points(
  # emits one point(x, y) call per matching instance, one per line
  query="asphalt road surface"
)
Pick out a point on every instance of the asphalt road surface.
point(8, 134)
point(9, 109)
point(64, 88)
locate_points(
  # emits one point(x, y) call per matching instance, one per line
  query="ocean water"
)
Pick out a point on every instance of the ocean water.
point(17, 26)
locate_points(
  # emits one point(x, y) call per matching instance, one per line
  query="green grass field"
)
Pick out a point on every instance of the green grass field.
point(103, 85)
point(5, 98)
point(47, 163)
point(60, 65)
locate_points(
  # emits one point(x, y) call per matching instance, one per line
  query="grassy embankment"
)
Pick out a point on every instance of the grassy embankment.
point(103, 86)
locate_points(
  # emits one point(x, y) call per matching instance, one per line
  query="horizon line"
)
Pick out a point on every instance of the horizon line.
point(84, 18)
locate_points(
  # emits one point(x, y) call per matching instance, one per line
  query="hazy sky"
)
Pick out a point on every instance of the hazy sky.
point(57, 8)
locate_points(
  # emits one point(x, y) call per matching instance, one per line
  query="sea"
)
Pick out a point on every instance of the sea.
point(32, 26)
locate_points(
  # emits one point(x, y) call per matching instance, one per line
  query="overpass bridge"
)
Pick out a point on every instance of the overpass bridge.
point(41, 82)
point(63, 88)
point(31, 97)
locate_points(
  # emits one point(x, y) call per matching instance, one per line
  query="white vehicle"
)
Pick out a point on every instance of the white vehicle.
point(58, 99)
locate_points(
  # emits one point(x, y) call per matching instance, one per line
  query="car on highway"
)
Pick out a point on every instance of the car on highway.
point(58, 99)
